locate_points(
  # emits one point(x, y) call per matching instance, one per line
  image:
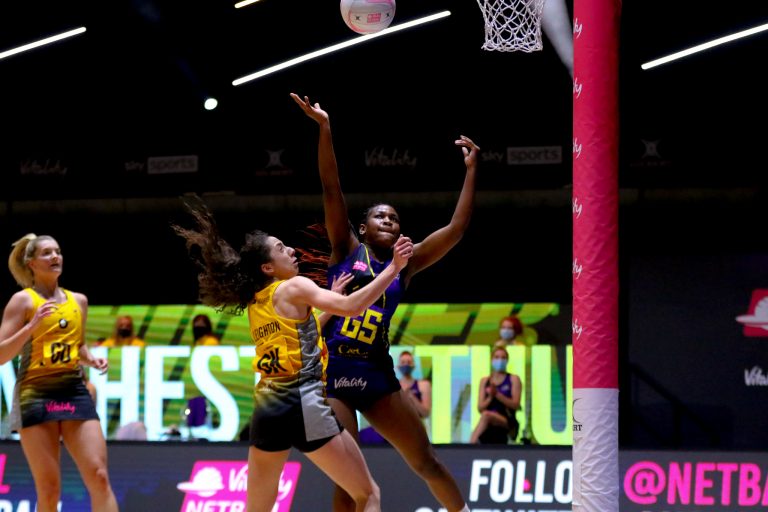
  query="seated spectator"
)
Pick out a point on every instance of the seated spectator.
point(198, 418)
point(510, 332)
point(419, 390)
point(123, 335)
point(498, 402)
point(202, 331)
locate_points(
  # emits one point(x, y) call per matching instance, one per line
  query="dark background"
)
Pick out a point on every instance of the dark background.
point(80, 119)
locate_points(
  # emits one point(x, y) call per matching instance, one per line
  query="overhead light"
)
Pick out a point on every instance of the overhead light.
point(42, 42)
point(340, 46)
point(704, 46)
point(238, 5)
point(210, 103)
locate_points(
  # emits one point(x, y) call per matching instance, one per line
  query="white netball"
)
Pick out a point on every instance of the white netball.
point(367, 16)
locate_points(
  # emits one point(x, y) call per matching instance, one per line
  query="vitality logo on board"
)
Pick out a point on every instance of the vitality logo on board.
point(756, 320)
point(4, 488)
point(223, 485)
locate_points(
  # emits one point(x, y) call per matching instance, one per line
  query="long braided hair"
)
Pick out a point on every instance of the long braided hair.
point(315, 250)
point(314, 253)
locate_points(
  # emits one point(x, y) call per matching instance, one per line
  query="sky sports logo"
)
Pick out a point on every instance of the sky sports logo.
point(534, 155)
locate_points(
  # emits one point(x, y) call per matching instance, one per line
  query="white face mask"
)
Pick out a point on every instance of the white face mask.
point(507, 334)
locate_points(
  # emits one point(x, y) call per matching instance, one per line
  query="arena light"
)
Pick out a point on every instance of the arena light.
point(340, 46)
point(704, 46)
point(42, 42)
point(238, 5)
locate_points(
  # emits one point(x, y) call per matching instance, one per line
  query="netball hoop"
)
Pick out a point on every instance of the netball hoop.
point(512, 25)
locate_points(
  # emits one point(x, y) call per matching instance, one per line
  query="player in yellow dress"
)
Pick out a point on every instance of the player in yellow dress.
point(290, 407)
point(45, 324)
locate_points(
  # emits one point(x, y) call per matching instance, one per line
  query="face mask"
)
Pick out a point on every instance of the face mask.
point(507, 334)
point(499, 365)
point(405, 369)
point(198, 332)
point(124, 333)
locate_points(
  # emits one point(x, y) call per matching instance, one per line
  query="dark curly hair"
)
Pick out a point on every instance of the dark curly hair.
point(228, 279)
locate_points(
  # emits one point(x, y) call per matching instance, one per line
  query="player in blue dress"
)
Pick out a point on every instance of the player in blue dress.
point(360, 370)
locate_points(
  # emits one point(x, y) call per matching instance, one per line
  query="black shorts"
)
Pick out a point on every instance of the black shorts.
point(61, 397)
point(359, 384)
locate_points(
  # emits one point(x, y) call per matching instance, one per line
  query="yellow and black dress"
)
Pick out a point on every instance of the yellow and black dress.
point(290, 407)
point(49, 384)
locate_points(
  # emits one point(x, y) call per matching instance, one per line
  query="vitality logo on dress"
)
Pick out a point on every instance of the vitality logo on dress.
point(223, 485)
point(360, 265)
point(354, 382)
point(756, 320)
point(53, 406)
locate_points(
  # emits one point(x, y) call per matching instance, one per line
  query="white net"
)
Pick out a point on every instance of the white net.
point(512, 25)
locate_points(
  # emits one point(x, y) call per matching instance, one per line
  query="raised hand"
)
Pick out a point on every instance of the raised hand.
point(312, 111)
point(101, 364)
point(45, 310)
point(470, 150)
point(402, 252)
point(340, 282)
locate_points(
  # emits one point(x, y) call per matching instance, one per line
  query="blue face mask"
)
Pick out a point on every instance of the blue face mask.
point(507, 334)
point(405, 369)
point(499, 365)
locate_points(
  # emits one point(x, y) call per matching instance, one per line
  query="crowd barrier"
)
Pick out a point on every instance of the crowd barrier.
point(212, 477)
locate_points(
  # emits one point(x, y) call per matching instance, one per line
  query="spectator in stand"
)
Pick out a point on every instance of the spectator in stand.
point(202, 331)
point(123, 335)
point(419, 391)
point(498, 403)
point(510, 332)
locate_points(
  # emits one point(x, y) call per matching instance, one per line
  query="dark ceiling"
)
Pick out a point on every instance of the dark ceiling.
point(132, 87)
point(704, 111)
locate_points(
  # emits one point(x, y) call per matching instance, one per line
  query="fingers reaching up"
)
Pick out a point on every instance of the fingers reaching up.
point(469, 148)
point(340, 282)
point(313, 111)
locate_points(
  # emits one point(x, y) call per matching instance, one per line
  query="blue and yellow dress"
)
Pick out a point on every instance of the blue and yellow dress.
point(360, 369)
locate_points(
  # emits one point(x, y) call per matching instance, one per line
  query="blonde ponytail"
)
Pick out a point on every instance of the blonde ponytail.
point(23, 251)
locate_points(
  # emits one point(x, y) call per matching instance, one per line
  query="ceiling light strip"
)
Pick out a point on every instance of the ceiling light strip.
point(42, 42)
point(238, 5)
point(704, 46)
point(340, 46)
